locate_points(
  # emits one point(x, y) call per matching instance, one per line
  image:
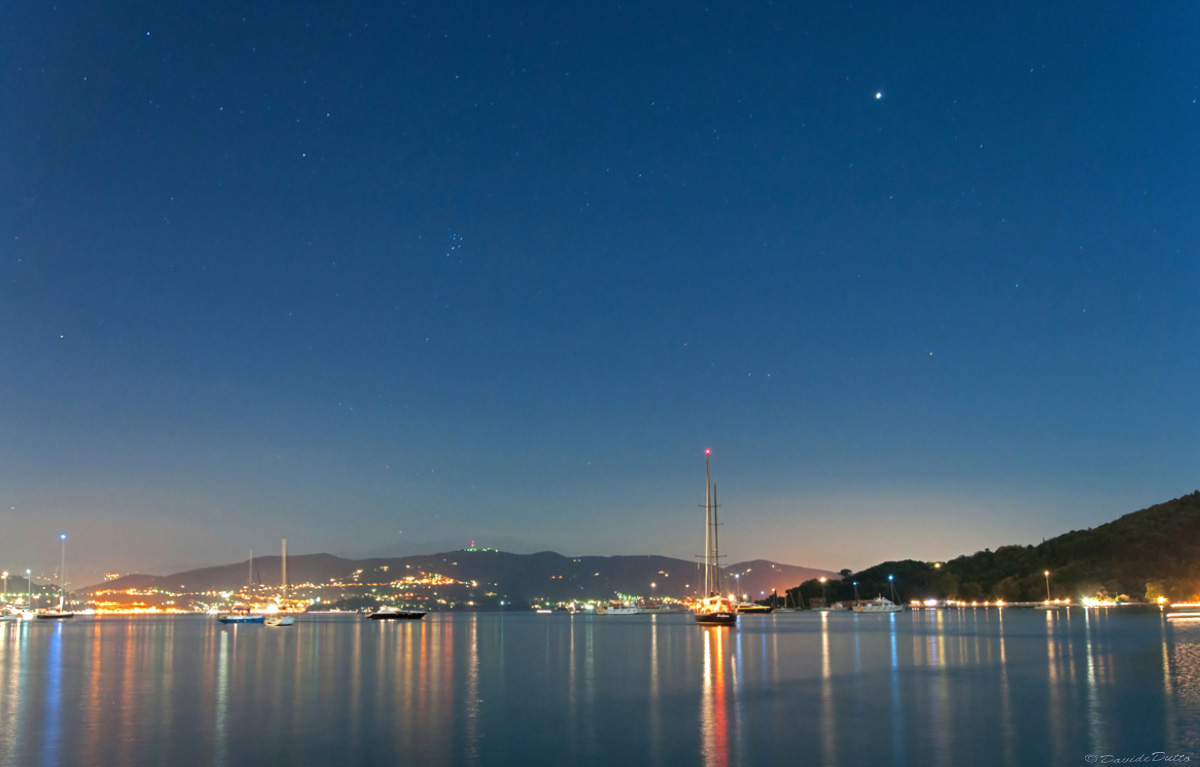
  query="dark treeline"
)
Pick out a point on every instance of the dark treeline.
point(1141, 556)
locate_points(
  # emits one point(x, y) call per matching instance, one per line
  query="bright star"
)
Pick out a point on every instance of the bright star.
point(879, 95)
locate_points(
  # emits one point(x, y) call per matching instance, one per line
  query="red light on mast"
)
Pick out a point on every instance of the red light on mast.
point(708, 451)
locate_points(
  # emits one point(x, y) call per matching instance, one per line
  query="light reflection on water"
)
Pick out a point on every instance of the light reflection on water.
point(1005, 687)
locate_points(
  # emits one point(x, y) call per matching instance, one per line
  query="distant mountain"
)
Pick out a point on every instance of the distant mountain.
point(1142, 555)
point(545, 574)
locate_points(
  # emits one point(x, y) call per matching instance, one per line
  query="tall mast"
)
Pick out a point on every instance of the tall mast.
point(716, 549)
point(707, 525)
point(62, 575)
point(285, 567)
point(250, 571)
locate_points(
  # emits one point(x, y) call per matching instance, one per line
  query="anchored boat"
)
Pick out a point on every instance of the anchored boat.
point(714, 609)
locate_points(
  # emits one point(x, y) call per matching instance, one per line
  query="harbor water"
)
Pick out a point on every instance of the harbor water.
point(939, 687)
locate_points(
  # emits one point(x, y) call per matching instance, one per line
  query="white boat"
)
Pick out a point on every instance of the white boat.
point(9, 616)
point(879, 604)
point(714, 609)
point(60, 612)
point(619, 608)
point(281, 618)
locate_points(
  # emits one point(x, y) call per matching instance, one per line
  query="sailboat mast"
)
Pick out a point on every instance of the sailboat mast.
point(707, 525)
point(250, 570)
point(62, 575)
point(285, 567)
point(716, 549)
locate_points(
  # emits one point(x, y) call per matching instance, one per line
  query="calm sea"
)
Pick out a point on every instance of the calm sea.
point(977, 687)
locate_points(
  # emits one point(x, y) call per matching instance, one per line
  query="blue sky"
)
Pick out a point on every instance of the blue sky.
point(394, 278)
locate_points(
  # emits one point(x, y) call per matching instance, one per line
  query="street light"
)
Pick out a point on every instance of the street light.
point(856, 592)
point(824, 599)
point(892, 585)
point(28, 588)
point(1047, 574)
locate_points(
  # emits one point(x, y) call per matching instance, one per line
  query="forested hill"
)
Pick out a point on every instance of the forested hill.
point(1148, 553)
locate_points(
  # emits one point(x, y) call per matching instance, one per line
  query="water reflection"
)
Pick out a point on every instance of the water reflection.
point(53, 715)
point(12, 638)
point(897, 712)
point(1094, 720)
point(472, 744)
point(714, 727)
point(1008, 732)
point(828, 714)
point(983, 687)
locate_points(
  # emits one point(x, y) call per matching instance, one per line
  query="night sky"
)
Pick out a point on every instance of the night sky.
point(390, 278)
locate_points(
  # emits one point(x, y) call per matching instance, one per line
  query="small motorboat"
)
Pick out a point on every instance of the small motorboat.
point(279, 619)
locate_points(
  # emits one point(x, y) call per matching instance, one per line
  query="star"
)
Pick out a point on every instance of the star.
point(879, 94)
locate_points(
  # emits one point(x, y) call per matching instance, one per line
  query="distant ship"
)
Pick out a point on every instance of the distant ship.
point(391, 613)
point(714, 609)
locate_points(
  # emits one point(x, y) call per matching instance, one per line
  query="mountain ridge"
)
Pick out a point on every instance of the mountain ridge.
point(544, 574)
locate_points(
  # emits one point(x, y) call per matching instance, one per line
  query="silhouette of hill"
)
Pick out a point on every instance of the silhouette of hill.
point(1141, 555)
point(544, 575)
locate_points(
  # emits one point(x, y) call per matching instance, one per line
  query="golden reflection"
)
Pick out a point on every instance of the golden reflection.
point(1006, 717)
point(1170, 726)
point(1094, 718)
point(221, 716)
point(828, 718)
point(472, 745)
point(655, 707)
point(129, 675)
point(1053, 663)
point(12, 639)
point(714, 729)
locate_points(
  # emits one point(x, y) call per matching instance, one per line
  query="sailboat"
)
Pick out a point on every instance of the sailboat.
point(59, 613)
point(243, 614)
point(714, 609)
point(282, 619)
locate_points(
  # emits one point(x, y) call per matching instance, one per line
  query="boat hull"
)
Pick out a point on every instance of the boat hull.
point(716, 619)
point(55, 616)
point(241, 618)
point(755, 609)
point(279, 620)
point(878, 605)
point(399, 615)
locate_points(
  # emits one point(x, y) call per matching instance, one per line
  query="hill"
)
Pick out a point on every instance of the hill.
point(1142, 555)
point(544, 575)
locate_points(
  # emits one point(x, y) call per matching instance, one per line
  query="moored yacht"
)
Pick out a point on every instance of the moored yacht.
point(59, 613)
point(880, 604)
point(714, 609)
point(619, 608)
